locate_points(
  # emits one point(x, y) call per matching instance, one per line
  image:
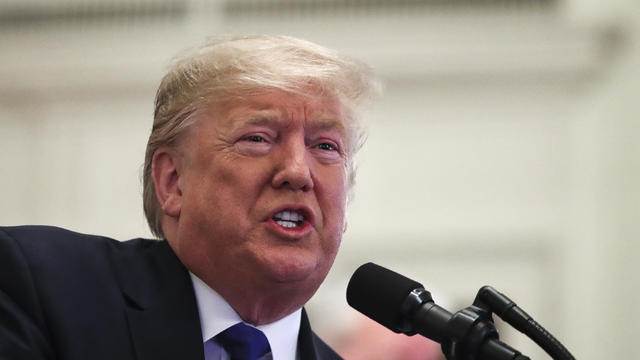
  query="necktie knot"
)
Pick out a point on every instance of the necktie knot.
point(243, 342)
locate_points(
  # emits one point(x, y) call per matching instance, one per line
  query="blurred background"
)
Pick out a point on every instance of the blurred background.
point(504, 150)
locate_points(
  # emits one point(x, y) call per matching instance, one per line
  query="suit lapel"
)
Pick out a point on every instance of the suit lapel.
point(162, 312)
point(161, 309)
point(310, 346)
point(306, 350)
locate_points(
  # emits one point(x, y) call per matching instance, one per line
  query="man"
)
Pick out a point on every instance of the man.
point(246, 176)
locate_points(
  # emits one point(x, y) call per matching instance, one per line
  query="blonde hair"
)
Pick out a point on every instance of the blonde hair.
point(230, 66)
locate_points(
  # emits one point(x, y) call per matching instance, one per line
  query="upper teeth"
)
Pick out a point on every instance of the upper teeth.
point(289, 215)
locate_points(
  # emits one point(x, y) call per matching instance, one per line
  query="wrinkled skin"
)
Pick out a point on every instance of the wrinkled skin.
point(242, 162)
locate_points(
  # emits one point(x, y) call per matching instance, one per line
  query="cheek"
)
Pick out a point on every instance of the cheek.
point(231, 179)
point(333, 196)
point(335, 187)
point(213, 199)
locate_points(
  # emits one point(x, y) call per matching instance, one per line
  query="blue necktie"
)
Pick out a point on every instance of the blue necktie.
point(243, 342)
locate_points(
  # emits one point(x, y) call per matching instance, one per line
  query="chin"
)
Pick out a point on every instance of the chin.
point(295, 269)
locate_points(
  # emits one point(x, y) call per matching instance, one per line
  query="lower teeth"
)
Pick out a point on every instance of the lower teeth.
point(287, 224)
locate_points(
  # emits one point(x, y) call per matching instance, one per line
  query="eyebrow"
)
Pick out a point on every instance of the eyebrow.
point(327, 124)
point(268, 117)
point(259, 118)
point(262, 118)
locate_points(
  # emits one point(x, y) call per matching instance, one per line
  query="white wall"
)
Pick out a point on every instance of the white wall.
point(503, 152)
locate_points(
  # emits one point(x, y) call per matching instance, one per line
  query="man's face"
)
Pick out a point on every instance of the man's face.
point(263, 184)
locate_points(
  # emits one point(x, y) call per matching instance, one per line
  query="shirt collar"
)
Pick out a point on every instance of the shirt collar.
point(216, 315)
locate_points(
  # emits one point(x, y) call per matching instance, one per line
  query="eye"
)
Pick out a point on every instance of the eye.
point(327, 146)
point(254, 138)
point(254, 144)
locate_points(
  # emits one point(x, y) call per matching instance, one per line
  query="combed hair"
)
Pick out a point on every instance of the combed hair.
point(238, 66)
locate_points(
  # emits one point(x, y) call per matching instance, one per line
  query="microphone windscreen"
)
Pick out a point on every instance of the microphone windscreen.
point(379, 293)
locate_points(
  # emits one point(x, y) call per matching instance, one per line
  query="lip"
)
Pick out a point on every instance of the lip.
point(296, 232)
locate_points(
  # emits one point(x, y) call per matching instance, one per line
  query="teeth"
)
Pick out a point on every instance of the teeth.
point(288, 219)
point(289, 216)
point(287, 224)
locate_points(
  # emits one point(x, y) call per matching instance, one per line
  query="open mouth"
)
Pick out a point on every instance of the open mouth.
point(289, 218)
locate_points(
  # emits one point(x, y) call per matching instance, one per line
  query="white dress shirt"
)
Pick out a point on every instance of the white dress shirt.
point(216, 315)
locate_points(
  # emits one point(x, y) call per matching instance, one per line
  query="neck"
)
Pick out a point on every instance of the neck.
point(260, 306)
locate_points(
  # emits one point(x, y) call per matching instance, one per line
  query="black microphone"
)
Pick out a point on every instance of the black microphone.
point(404, 306)
point(393, 300)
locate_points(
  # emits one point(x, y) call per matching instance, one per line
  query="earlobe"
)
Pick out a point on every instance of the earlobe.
point(165, 168)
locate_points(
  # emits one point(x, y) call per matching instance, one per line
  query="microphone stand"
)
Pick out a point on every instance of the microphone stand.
point(472, 335)
point(491, 300)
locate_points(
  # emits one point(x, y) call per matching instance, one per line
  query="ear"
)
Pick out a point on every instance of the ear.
point(165, 171)
point(344, 230)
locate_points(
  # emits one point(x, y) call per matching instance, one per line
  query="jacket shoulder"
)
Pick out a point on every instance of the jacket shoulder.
point(43, 235)
point(63, 290)
point(45, 245)
point(53, 258)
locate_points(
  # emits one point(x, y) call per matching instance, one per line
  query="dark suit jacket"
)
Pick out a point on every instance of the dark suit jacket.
point(68, 296)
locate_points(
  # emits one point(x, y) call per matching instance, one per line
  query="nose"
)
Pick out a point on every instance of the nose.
point(293, 170)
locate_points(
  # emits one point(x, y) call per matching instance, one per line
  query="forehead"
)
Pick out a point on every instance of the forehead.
point(283, 108)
